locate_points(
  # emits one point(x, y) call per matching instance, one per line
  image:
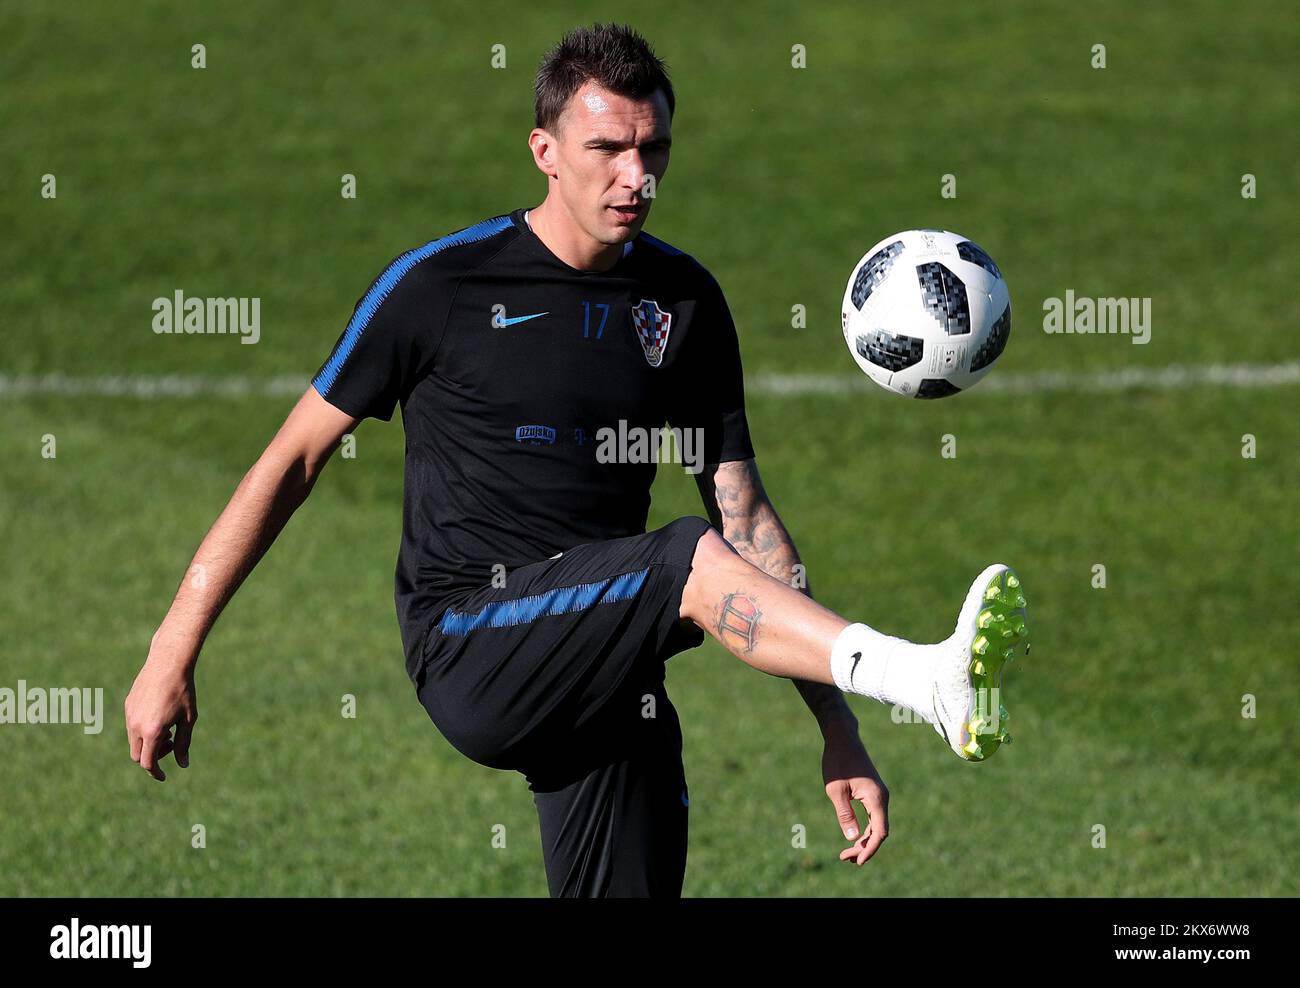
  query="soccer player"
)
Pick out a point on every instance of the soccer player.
point(536, 357)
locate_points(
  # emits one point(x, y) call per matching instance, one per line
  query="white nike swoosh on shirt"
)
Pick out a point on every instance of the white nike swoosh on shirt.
point(503, 321)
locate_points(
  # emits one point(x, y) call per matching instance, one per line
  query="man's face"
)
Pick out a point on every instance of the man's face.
point(605, 147)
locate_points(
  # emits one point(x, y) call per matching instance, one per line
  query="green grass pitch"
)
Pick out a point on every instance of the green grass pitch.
point(1124, 180)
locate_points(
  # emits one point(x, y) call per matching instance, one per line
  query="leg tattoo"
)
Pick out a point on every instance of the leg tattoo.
point(738, 617)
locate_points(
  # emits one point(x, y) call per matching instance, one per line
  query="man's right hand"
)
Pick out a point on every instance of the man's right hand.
point(162, 699)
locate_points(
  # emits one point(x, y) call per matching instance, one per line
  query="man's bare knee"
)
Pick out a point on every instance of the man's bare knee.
point(711, 552)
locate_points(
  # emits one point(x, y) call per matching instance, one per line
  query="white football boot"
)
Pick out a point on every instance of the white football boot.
point(967, 701)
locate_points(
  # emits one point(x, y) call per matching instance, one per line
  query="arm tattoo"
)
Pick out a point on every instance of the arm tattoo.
point(739, 507)
point(738, 619)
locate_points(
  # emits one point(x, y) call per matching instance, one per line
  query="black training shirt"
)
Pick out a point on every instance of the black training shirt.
point(508, 363)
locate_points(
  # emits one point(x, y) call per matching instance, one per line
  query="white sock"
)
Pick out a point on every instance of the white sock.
point(891, 670)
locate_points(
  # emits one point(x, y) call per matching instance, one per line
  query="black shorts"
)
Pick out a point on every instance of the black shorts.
point(559, 674)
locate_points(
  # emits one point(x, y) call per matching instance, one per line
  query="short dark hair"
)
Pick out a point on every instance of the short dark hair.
point(613, 55)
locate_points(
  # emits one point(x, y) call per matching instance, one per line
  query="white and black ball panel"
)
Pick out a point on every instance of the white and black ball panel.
point(868, 337)
point(944, 296)
point(992, 348)
point(972, 252)
point(872, 271)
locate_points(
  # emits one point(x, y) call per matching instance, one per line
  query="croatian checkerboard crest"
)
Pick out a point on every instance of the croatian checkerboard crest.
point(652, 325)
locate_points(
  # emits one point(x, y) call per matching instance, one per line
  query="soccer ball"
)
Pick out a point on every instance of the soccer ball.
point(926, 313)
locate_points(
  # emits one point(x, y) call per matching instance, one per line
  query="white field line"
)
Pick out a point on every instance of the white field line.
point(151, 386)
point(1172, 378)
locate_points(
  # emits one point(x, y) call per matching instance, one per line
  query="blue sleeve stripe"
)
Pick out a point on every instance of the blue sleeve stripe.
point(382, 288)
